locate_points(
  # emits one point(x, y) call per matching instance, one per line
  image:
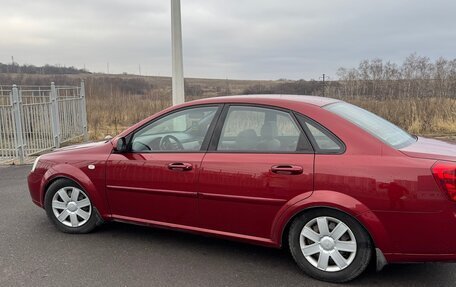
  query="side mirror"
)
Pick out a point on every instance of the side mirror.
point(121, 145)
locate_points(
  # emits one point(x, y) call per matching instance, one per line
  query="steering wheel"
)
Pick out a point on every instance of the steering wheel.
point(170, 142)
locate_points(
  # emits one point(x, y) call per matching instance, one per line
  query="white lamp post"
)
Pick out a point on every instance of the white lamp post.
point(176, 41)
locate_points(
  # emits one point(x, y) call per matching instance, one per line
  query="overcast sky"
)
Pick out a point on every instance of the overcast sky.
point(244, 39)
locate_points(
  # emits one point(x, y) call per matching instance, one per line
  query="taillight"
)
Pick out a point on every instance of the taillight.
point(445, 175)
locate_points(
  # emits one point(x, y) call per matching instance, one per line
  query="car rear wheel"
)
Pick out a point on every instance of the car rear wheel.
point(69, 207)
point(329, 245)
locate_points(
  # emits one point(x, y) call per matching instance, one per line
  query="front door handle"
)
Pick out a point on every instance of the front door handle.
point(180, 166)
point(287, 169)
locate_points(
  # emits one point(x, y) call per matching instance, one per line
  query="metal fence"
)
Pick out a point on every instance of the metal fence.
point(34, 119)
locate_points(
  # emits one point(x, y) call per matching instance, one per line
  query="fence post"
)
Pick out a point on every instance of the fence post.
point(17, 115)
point(55, 116)
point(83, 111)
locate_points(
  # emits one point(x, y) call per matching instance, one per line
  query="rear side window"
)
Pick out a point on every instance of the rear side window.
point(373, 124)
point(322, 139)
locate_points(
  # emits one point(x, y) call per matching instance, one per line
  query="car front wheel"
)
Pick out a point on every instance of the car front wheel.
point(69, 207)
point(329, 245)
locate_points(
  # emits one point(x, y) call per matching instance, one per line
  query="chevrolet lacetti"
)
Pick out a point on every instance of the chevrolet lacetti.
point(337, 185)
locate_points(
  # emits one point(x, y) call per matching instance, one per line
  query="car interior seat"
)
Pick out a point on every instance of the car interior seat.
point(246, 140)
point(268, 140)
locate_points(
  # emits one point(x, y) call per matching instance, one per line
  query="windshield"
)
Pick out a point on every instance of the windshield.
point(373, 124)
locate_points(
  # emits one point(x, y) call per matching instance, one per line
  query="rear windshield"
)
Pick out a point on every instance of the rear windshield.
point(373, 124)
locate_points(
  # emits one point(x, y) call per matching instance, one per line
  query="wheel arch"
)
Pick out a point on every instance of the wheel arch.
point(286, 229)
point(69, 172)
point(335, 201)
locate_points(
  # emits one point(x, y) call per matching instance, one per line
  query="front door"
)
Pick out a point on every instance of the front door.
point(155, 181)
point(261, 159)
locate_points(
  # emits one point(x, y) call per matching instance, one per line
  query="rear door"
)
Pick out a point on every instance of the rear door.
point(259, 158)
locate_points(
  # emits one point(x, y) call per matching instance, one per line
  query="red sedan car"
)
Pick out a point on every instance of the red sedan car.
point(335, 183)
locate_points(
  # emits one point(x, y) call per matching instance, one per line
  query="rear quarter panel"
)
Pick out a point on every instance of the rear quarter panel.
point(393, 195)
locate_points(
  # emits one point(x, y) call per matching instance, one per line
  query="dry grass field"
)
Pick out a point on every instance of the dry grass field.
point(419, 95)
point(114, 102)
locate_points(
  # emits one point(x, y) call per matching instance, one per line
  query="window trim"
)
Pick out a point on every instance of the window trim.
point(223, 116)
point(206, 140)
point(325, 131)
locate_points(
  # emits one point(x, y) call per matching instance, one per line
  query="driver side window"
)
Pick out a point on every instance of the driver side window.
point(183, 130)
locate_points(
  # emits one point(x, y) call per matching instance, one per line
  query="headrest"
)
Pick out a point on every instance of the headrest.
point(247, 134)
point(246, 139)
point(269, 130)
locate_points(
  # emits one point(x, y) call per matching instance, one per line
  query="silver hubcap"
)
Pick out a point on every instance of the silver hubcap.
point(328, 244)
point(71, 206)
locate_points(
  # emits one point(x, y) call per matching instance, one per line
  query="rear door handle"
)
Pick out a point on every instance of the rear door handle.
point(180, 166)
point(287, 169)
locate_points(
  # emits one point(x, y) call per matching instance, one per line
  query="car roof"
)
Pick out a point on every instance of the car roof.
point(273, 99)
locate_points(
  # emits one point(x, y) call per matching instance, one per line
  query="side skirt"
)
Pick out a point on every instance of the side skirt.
point(216, 233)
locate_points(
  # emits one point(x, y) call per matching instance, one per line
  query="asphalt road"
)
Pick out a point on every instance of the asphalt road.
point(34, 253)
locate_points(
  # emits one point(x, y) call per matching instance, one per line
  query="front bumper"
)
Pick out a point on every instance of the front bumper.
point(34, 181)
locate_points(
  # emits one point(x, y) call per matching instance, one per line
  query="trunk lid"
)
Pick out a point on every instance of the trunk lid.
point(431, 149)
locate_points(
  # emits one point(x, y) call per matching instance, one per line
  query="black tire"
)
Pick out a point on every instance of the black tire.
point(362, 257)
point(93, 221)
